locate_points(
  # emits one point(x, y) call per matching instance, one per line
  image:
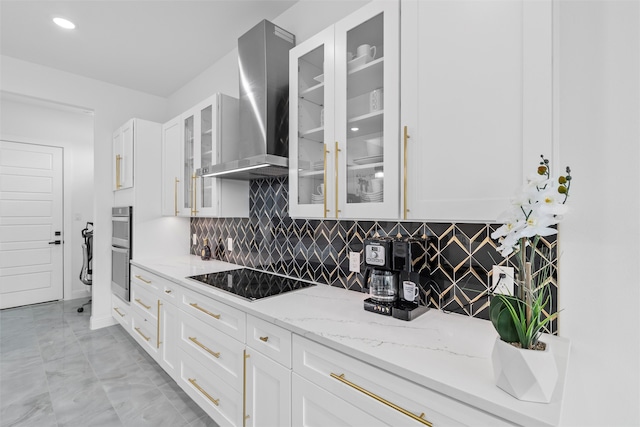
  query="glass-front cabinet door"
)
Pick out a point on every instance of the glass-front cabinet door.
point(311, 127)
point(344, 118)
point(205, 193)
point(367, 112)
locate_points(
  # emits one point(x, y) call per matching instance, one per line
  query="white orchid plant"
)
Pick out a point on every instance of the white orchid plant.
point(534, 212)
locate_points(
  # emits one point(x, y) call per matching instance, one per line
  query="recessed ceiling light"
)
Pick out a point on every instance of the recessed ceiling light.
point(64, 23)
point(355, 129)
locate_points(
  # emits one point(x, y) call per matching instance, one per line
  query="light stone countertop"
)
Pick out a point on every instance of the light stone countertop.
point(448, 353)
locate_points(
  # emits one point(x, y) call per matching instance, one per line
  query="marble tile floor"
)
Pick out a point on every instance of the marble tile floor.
point(55, 371)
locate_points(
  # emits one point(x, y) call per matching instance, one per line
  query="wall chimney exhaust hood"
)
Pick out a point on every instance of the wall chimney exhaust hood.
point(263, 145)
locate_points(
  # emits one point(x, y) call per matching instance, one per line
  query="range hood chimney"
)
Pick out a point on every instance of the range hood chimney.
point(263, 62)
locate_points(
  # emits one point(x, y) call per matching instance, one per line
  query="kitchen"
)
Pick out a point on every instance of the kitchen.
point(579, 119)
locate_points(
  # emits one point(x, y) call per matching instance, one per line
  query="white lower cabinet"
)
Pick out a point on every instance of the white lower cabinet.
point(222, 402)
point(121, 311)
point(267, 375)
point(168, 343)
point(390, 399)
point(313, 406)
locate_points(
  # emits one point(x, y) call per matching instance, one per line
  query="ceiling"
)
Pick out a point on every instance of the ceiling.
point(147, 45)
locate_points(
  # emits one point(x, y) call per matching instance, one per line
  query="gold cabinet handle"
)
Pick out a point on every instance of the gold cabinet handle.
point(420, 418)
point(204, 347)
point(324, 198)
point(405, 178)
point(118, 311)
point(336, 178)
point(264, 339)
point(175, 196)
point(158, 331)
point(148, 282)
point(118, 160)
point(148, 307)
point(194, 194)
point(201, 390)
point(167, 291)
point(197, 307)
point(146, 338)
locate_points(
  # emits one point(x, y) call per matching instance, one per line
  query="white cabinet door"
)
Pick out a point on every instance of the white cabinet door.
point(476, 103)
point(268, 391)
point(313, 406)
point(168, 343)
point(171, 176)
point(123, 140)
point(344, 118)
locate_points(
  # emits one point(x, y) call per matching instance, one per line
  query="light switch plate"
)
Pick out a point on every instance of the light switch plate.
point(195, 238)
point(354, 261)
point(229, 244)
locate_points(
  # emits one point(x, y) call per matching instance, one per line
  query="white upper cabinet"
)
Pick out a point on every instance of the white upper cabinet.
point(192, 141)
point(476, 103)
point(123, 156)
point(344, 118)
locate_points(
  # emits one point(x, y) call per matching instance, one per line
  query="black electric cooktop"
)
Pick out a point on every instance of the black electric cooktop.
point(251, 284)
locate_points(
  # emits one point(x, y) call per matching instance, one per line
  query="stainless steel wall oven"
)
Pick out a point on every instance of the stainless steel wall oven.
point(120, 250)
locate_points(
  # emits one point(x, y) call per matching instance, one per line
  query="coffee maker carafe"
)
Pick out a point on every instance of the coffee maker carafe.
point(379, 277)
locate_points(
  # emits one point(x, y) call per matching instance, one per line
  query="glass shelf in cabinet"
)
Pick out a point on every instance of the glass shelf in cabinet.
point(367, 123)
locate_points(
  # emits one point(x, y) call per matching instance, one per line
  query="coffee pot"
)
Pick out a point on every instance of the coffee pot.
point(383, 285)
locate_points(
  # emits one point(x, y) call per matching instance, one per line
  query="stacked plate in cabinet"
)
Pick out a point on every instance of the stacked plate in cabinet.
point(373, 197)
point(317, 199)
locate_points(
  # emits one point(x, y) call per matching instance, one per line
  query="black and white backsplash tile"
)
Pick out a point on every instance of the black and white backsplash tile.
point(460, 256)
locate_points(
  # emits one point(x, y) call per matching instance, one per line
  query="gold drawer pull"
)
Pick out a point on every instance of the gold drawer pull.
point(143, 304)
point(420, 418)
point(196, 306)
point(204, 347)
point(264, 339)
point(143, 279)
point(201, 390)
point(146, 338)
point(167, 291)
point(118, 311)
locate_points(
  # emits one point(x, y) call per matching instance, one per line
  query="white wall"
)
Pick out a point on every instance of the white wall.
point(597, 126)
point(22, 120)
point(112, 106)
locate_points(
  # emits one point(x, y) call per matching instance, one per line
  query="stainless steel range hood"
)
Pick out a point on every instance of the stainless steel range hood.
point(263, 62)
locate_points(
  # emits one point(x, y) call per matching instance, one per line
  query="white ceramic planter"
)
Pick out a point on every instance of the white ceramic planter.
point(529, 375)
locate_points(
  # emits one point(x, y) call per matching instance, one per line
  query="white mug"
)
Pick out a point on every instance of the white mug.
point(376, 185)
point(367, 50)
point(410, 290)
point(375, 100)
point(320, 189)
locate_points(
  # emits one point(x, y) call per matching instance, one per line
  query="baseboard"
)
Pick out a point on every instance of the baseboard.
point(101, 322)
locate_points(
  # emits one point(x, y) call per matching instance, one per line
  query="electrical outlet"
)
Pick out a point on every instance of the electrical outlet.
point(354, 261)
point(505, 286)
point(229, 244)
point(195, 239)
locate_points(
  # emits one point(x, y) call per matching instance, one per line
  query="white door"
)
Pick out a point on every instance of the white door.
point(30, 224)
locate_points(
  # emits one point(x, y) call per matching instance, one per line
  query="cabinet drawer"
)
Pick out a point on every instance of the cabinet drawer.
point(121, 312)
point(144, 302)
point(171, 292)
point(147, 280)
point(270, 340)
point(222, 317)
point(214, 396)
point(312, 406)
point(144, 329)
point(218, 352)
point(383, 394)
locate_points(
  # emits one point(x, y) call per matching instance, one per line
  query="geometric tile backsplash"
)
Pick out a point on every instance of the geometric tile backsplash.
point(460, 255)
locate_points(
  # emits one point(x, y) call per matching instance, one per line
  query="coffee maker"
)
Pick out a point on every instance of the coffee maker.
point(394, 275)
